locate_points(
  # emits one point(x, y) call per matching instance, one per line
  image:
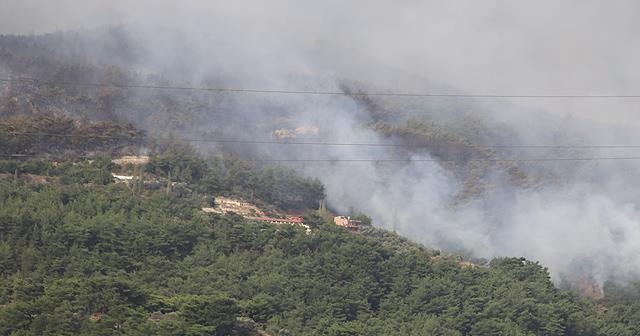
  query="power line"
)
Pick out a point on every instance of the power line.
point(337, 144)
point(323, 93)
point(628, 158)
point(450, 160)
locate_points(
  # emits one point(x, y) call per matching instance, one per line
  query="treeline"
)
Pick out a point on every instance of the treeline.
point(81, 151)
point(189, 175)
point(227, 175)
point(96, 171)
point(48, 134)
point(101, 261)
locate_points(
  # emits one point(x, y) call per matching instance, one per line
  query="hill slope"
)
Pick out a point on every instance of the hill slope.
point(97, 260)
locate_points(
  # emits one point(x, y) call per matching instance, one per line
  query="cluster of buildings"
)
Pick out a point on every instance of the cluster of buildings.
point(225, 205)
point(290, 220)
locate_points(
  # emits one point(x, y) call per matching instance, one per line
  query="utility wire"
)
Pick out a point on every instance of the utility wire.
point(344, 144)
point(404, 160)
point(398, 94)
point(450, 160)
point(321, 93)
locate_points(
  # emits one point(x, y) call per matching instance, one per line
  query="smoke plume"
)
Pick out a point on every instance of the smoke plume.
point(571, 216)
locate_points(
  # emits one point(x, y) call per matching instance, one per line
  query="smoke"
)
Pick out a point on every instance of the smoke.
point(584, 213)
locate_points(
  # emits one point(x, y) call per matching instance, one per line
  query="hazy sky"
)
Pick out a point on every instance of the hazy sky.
point(508, 46)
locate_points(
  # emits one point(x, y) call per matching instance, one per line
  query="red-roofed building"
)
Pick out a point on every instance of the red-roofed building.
point(347, 222)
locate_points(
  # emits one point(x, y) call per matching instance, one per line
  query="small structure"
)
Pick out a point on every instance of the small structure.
point(123, 178)
point(347, 222)
point(132, 160)
point(287, 133)
point(287, 220)
point(467, 264)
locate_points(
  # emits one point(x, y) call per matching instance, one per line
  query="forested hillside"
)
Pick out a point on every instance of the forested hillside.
point(82, 252)
point(98, 260)
point(82, 255)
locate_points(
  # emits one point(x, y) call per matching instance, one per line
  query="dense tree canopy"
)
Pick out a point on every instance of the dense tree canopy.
point(95, 259)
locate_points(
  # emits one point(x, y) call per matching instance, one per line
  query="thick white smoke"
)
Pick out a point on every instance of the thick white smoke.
point(587, 215)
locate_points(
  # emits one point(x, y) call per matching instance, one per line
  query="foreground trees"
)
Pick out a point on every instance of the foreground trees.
point(98, 260)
